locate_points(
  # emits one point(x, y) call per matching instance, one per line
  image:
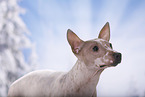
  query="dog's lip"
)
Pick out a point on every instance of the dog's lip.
point(103, 66)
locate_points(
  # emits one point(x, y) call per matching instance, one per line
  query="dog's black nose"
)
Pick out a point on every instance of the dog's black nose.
point(117, 58)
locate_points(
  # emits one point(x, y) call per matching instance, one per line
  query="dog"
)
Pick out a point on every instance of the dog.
point(93, 57)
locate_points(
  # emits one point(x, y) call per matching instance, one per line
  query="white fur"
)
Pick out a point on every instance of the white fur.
point(102, 60)
point(99, 61)
point(77, 82)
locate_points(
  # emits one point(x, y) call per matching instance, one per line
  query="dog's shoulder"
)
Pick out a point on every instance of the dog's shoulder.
point(45, 78)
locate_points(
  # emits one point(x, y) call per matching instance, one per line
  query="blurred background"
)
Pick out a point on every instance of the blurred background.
point(33, 37)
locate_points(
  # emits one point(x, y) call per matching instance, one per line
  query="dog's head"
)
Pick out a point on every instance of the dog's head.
point(96, 53)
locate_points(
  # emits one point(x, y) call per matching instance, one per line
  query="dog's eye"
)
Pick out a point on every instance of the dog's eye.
point(111, 45)
point(95, 48)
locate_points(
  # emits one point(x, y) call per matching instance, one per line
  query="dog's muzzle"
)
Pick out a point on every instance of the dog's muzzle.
point(117, 58)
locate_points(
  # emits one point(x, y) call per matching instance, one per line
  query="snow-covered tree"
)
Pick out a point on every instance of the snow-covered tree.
point(14, 43)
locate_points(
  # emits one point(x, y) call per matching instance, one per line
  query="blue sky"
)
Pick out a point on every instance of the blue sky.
point(48, 21)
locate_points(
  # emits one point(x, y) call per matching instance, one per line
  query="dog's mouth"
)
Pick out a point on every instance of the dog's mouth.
point(103, 66)
point(113, 64)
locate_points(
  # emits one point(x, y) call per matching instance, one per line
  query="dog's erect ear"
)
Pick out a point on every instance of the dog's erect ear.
point(105, 32)
point(74, 41)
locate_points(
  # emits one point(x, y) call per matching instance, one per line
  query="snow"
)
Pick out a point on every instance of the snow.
point(13, 40)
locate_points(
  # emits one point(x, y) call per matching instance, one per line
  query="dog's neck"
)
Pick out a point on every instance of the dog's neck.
point(82, 78)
